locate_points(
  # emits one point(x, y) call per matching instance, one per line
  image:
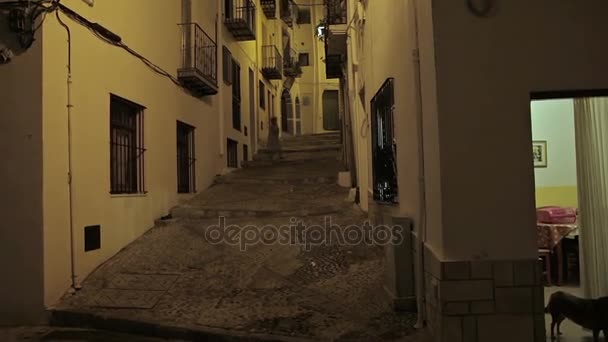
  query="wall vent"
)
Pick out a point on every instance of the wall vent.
point(92, 238)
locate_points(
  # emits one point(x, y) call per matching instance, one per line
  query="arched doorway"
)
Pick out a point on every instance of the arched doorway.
point(286, 112)
point(298, 117)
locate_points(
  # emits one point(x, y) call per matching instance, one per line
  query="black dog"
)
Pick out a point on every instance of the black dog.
point(590, 314)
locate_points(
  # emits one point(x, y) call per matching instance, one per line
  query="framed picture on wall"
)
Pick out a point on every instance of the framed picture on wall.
point(539, 153)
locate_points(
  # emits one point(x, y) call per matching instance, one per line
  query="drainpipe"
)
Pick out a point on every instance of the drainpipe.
point(420, 287)
point(75, 283)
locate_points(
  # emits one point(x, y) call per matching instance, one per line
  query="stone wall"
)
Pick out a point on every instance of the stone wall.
point(484, 301)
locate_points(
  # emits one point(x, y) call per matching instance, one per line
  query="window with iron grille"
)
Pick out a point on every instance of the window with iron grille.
point(186, 159)
point(245, 153)
point(262, 93)
point(126, 147)
point(236, 96)
point(227, 65)
point(304, 16)
point(232, 153)
point(384, 148)
point(304, 59)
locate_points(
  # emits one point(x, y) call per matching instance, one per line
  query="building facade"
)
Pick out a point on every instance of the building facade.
point(439, 94)
point(154, 104)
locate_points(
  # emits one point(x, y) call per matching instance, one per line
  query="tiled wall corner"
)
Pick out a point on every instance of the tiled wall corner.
point(484, 301)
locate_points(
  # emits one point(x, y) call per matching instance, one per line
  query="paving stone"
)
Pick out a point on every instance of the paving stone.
point(178, 276)
point(151, 282)
point(136, 299)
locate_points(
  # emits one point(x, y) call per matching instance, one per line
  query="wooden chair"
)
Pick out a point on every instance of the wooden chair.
point(544, 256)
point(544, 252)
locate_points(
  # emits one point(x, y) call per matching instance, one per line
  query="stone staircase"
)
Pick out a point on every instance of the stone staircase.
point(301, 148)
point(302, 184)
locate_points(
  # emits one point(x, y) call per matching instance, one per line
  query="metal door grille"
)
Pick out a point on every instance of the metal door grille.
point(383, 145)
point(186, 159)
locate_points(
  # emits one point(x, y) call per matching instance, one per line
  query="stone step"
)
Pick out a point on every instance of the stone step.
point(201, 213)
point(294, 156)
point(169, 331)
point(310, 148)
point(312, 137)
point(310, 140)
point(274, 181)
point(283, 162)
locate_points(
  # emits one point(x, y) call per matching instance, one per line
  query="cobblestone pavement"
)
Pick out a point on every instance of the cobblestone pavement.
point(46, 333)
point(176, 275)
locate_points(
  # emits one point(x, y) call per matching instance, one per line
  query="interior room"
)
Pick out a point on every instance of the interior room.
point(570, 156)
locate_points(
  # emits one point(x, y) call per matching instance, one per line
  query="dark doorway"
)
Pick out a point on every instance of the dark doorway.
point(252, 121)
point(331, 110)
point(286, 112)
point(298, 117)
point(186, 161)
point(384, 165)
point(232, 154)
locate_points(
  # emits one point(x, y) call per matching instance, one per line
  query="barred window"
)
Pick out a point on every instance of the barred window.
point(304, 59)
point(186, 159)
point(236, 95)
point(384, 148)
point(304, 16)
point(228, 67)
point(126, 147)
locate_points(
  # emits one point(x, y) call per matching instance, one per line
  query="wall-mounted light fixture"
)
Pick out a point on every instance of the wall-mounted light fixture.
point(89, 2)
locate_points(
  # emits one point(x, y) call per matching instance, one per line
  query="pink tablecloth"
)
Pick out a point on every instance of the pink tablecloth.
point(549, 235)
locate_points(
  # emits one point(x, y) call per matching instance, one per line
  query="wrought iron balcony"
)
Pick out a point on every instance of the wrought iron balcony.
point(333, 66)
point(289, 12)
point(272, 62)
point(270, 8)
point(198, 71)
point(239, 17)
point(336, 12)
point(292, 66)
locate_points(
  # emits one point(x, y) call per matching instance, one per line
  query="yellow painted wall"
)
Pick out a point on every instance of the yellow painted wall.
point(557, 195)
point(372, 48)
point(98, 71)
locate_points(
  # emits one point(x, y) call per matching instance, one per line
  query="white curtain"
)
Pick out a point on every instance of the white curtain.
point(591, 124)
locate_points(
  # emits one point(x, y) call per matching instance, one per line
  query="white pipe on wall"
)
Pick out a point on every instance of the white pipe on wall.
point(420, 282)
point(74, 276)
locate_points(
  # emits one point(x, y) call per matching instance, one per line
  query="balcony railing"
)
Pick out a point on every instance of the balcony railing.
point(336, 12)
point(292, 66)
point(198, 71)
point(239, 17)
point(270, 8)
point(272, 62)
point(289, 12)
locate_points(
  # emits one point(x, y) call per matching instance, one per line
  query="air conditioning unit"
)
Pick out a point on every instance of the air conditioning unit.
point(361, 14)
point(14, 37)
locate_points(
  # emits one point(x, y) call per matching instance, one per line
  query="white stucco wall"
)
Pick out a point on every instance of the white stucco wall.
point(486, 70)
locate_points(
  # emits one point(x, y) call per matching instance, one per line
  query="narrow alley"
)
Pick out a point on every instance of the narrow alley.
point(173, 277)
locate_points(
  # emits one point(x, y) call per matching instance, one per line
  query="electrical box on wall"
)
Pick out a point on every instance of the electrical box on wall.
point(92, 238)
